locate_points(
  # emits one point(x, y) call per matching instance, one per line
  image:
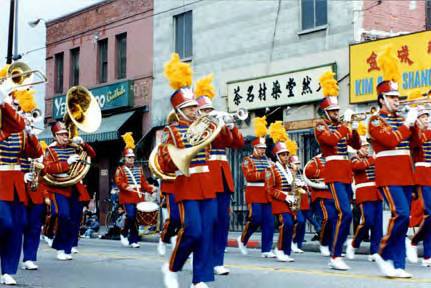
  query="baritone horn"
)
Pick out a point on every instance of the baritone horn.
point(20, 76)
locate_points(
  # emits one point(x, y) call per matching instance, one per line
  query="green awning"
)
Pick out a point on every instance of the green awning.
point(109, 129)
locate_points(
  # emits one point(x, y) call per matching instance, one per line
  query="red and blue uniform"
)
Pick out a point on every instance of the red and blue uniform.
point(173, 222)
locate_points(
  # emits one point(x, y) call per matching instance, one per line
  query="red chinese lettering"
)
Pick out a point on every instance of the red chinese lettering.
point(372, 61)
point(403, 55)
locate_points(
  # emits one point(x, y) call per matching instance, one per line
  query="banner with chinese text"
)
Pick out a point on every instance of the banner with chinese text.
point(414, 54)
point(294, 87)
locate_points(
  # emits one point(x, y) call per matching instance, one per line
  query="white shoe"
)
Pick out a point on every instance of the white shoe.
point(350, 250)
point(199, 285)
point(372, 257)
point(161, 248)
point(7, 280)
point(241, 246)
point(221, 270)
point(295, 248)
point(170, 278)
point(426, 262)
point(337, 263)
point(269, 254)
point(401, 273)
point(173, 242)
point(29, 265)
point(48, 241)
point(280, 255)
point(411, 251)
point(324, 251)
point(135, 245)
point(124, 241)
point(68, 256)
point(385, 266)
point(75, 250)
point(61, 255)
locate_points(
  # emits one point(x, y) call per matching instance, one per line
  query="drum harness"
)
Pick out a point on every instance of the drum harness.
point(134, 180)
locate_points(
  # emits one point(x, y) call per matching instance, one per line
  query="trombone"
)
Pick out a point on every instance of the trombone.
point(406, 105)
point(20, 76)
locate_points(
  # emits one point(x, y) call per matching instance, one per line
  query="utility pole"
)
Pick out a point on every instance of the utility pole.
point(10, 37)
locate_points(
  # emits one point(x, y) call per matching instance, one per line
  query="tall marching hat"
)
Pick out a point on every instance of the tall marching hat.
point(130, 144)
point(260, 132)
point(204, 92)
point(391, 73)
point(330, 91)
point(179, 75)
point(58, 127)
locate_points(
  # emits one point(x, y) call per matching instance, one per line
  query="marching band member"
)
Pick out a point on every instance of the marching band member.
point(13, 197)
point(259, 202)
point(220, 170)
point(196, 199)
point(421, 152)
point(333, 138)
point(390, 135)
point(299, 228)
point(369, 199)
point(322, 201)
point(278, 184)
point(58, 161)
point(130, 179)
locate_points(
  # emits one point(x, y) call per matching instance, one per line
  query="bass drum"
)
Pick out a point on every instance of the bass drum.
point(147, 213)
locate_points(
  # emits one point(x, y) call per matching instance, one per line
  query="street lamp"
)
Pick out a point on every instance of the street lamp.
point(35, 22)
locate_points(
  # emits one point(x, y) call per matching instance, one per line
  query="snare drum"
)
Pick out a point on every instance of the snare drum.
point(147, 213)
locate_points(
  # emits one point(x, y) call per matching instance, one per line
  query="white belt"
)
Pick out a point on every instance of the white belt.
point(422, 164)
point(256, 184)
point(336, 157)
point(366, 184)
point(194, 170)
point(218, 157)
point(61, 175)
point(393, 153)
point(10, 167)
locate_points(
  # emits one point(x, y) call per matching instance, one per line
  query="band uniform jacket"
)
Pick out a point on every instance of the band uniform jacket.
point(277, 187)
point(10, 121)
point(390, 139)
point(254, 170)
point(199, 185)
point(55, 162)
point(363, 172)
point(333, 139)
point(315, 170)
point(218, 163)
point(123, 179)
point(420, 147)
point(11, 177)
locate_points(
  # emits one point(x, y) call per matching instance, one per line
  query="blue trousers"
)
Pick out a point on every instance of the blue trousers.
point(77, 219)
point(195, 236)
point(173, 223)
point(32, 232)
point(424, 232)
point(222, 226)
point(259, 214)
point(286, 232)
point(371, 219)
point(65, 235)
point(130, 224)
point(299, 231)
point(309, 215)
point(325, 209)
point(393, 245)
point(342, 193)
point(12, 222)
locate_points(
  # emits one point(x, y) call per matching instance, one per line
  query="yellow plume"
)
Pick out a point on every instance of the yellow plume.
point(362, 129)
point(260, 126)
point(43, 145)
point(292, 147)
point(277, 132)
point(204, 87)
point(329, 84)
point(179, 74)
point(414, 94)
point(3, 71)
point(25, 99)
point(128, 139)
point(389, 65)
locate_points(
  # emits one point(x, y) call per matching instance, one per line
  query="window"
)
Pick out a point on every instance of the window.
point(313, 13)
point(121, 55)
point(74, 73)
point(183, 35)
point(103, 60)
point(58, 85)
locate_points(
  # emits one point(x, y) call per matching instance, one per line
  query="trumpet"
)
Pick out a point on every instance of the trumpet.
point(20, 76)
point(361, 116)
point(229, 118)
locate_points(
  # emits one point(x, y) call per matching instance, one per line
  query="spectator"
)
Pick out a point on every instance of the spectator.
point(92, 226)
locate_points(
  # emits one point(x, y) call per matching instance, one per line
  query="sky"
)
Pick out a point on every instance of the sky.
point(31, 41)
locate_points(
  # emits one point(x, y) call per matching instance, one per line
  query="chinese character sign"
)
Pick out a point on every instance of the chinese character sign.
point(413, 52)
point(275, 90)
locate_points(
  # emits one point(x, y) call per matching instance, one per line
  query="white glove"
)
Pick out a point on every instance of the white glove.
point(290, 199)
point(230, 126)
point(77, 140)
point(348, 115)
point(72, 159)
point(355, 125)
point(40, 159)
point(28, 177)
point(412, 115)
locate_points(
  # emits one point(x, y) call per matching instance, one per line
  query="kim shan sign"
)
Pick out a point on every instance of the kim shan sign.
point(295, 87)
